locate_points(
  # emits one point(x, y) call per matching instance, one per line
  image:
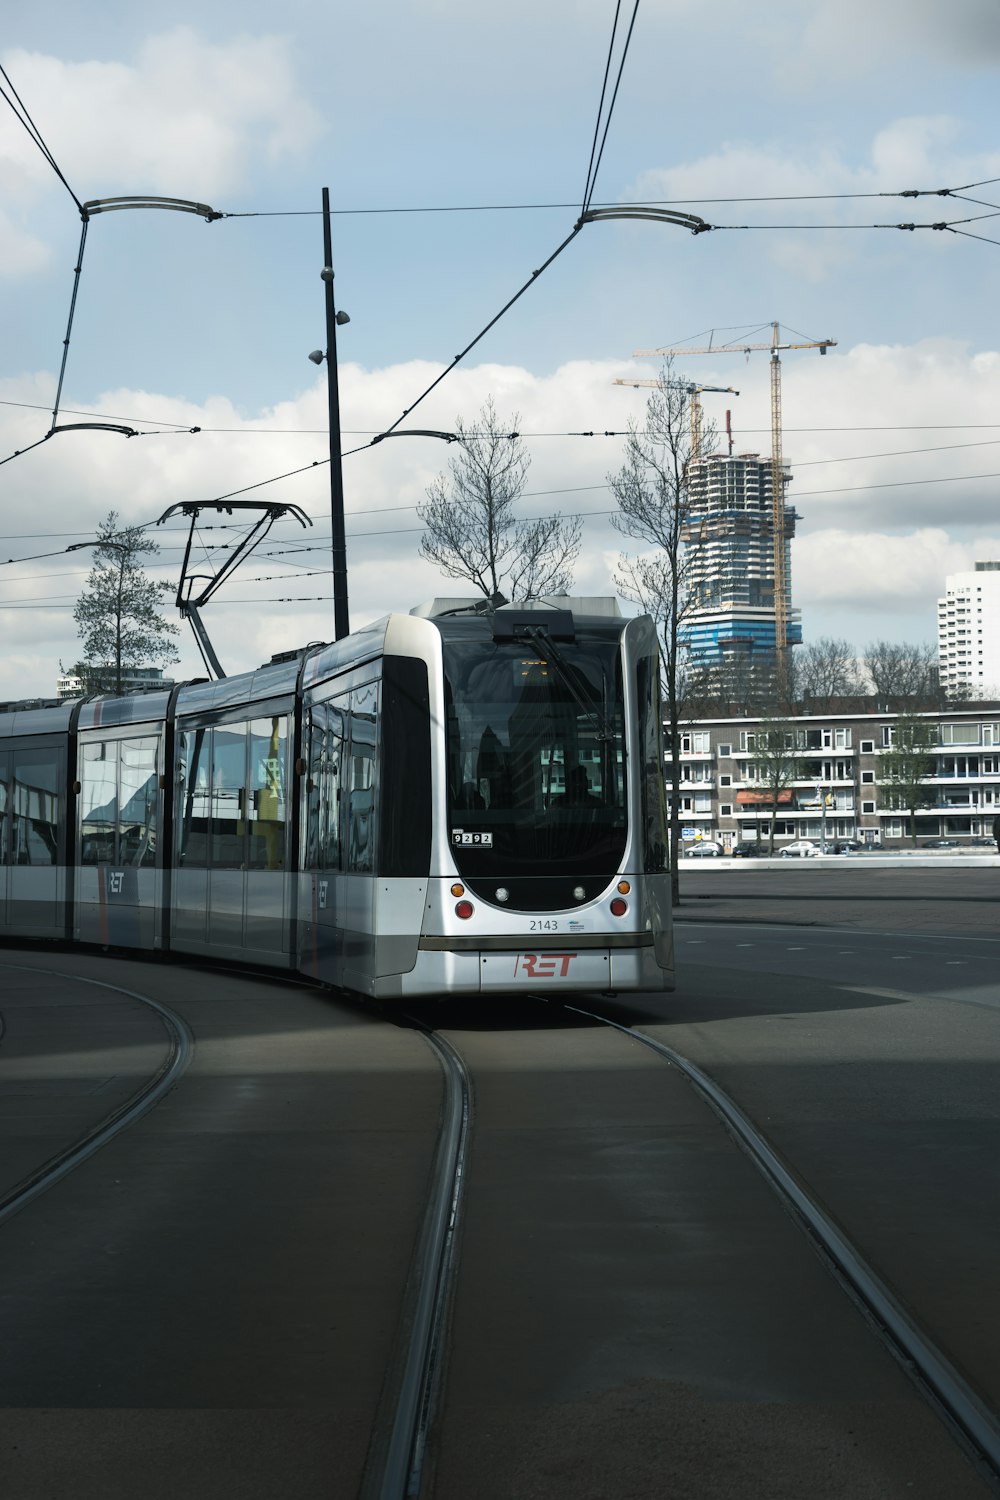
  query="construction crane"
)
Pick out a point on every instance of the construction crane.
point(694, 391)
point(777, 466)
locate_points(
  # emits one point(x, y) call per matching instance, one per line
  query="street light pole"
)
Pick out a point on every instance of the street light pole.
point(341, 619)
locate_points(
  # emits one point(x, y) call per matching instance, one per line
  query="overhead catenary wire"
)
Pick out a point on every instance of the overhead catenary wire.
point(481, 208)
point(20, 111)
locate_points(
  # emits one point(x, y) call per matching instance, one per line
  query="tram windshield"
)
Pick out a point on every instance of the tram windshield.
point(536, 757)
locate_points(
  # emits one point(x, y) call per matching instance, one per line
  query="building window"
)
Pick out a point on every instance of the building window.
point(725, 781)
point(725, 751)
point(959, 734)
point(726, 810)
point(888, 735)
point(867, 807)
point(867, 747)
point(867, 775)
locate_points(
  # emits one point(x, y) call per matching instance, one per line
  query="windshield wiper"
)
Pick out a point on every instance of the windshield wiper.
point(547, 648)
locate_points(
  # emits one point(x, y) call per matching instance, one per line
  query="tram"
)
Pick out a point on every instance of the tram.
point(459, 800)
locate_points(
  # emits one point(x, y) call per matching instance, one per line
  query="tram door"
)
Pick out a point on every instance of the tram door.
point(231, 883)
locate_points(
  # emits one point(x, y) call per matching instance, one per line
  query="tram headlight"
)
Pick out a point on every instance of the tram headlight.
point(579, 894)
point(464, 909)
point(458, 890)
point(502, 893)
point(618, 907)
point(624, 887)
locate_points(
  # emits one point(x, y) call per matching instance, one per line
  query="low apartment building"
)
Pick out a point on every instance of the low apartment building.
point(837, 793)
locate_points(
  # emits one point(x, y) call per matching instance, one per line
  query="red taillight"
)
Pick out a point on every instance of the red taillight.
point(619, 907)
point(464, 909)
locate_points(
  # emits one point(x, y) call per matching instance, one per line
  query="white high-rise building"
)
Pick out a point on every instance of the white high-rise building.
point(969, 632)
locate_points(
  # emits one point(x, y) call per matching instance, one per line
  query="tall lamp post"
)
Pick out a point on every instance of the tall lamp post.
point(341, 619)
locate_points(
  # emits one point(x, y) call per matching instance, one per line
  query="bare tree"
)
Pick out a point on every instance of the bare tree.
point(654, 508)
point(117, 614)
point(472, 531)
point(902, 674)
point(777, 763)
point(827, 669)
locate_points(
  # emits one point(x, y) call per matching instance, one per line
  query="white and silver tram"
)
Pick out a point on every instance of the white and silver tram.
point(458, 800)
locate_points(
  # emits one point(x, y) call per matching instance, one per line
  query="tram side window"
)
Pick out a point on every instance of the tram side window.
point(326, 762)
point(98, 803)
point(4, 805)
point(137, 800)
point(267, 813)
point(36, 807)
point(118, 802)
point(229, 796)
point(361, 788)
point(194, 776)
point(316, 740)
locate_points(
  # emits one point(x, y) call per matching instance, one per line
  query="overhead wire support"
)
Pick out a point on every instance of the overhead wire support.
point(588, 189)
point(611, 106)
point(21, 113)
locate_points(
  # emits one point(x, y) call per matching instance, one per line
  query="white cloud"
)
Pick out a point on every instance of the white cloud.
point(186, 118)
point(876, 569)
point(854, 34)
point(881, 552)
point(21, 253)
point(920, 151)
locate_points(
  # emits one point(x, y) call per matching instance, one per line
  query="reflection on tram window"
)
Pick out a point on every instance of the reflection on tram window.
point(653, 786)
point(118, 802)
point(194, 777)
point(536, 754)
point(4, 806)
point(232, 809)
point(268, 745)
point(228, 798)
point(35, 805)
point(98, 803)
point(361, 780)
point(326, 754)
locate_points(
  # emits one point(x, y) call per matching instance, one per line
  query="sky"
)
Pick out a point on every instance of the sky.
point(455, 143)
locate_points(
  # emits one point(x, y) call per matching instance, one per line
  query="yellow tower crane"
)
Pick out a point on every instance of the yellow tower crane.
point(694, 391)
point(777, 466)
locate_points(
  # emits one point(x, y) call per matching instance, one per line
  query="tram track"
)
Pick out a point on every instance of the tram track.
point(180, 1050)
point(400, 1434)
point(973, 1425)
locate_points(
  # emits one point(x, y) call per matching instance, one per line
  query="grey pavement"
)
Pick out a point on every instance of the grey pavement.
point(885, 896)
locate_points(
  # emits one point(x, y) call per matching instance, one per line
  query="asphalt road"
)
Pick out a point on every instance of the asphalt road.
point(861, 893)
point(209, 1306)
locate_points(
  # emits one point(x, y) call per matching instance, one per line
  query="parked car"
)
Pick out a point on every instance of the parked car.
point(984, 842)
point(703, 849)
point(849, 846)
point(748, 849)
point(799, 849)
point(941, 844)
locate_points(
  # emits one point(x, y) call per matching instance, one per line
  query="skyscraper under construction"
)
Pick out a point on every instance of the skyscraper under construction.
point(729, 550)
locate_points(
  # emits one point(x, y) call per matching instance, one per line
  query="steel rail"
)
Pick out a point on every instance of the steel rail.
point(179, 1053)
point(967, 1416)
point(396, 1473)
